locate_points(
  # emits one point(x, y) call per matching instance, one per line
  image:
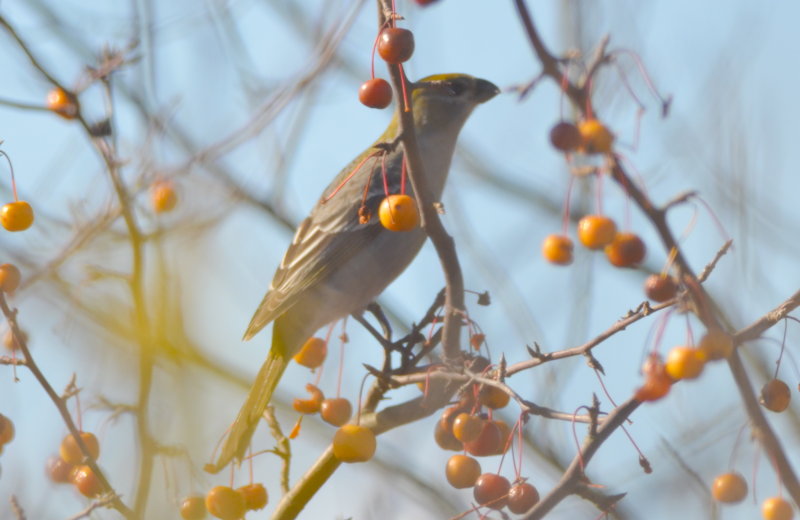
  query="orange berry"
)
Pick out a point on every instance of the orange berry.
point(16, 216)
point(59, 471)
point(312, 354)
point(445, 438)
point(491, 490)
point(10, 342)
point(225, 503)
point(6, 430)
point(9, 278)
point(565, 136)
point(493, 397)
point(656, 380)
point(255, 496)
point(311, 405)
point(776, 508)
point(163, 197)
point(684, 363)
point(395, 45)
point(729, 488)
point(462, 471)
point(775, 396)
point(557, 249)
point(467, 427)
point(85, 481)
point(476, 340)
point(626, 250)
point(660, 288)
point(71, 452)
point(716, 344)
point(375, 93)
point(596, 231)
point(521, 497)
point(336, 411)
point(354, 443)
point(595, 136)
point(193, 508)
point(399, 213)
point(63, 103)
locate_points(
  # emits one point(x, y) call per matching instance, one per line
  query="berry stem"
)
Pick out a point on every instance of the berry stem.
point(407, 106)
point(343, 338)
point(403, 176)
point(385, 177)
point(565, 218)
point(349, 176)
point(11, 167)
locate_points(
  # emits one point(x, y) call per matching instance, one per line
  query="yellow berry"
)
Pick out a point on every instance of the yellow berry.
point(776, 508)
point(596, 231)
point(354, 443)
point(729, 488)
point(399, 213)
point(557, 249)
point(595, 136)
point(684, 363)
point(16, 216)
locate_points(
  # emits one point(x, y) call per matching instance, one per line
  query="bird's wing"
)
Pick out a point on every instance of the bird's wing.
point(330, 236)
point(316, 252)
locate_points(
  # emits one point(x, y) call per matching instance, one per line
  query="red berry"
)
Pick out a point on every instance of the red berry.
point(395, 45)
point(660, 288)
point(491, 490)
point(375, 93)
point(565, 136)
point(521, 497)
point(336, 411)
point(487, 443)
point(775, 396)
point(626, 250)
point(59, 471)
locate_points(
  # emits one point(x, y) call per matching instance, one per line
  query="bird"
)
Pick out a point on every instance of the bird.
point(340, 259)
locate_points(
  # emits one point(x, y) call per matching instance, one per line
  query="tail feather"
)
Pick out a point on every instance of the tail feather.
point(241, 432)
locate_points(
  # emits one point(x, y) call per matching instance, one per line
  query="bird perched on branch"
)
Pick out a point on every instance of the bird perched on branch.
point(341, 257)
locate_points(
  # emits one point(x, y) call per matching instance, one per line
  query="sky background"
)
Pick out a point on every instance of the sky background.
point(208, 68)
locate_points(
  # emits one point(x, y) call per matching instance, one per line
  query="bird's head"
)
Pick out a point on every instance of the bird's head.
point(448, 99)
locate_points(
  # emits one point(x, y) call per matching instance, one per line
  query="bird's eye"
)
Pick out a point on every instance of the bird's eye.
point(457, 88)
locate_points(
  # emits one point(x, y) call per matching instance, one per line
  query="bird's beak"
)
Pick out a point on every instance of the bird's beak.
point(485, 90)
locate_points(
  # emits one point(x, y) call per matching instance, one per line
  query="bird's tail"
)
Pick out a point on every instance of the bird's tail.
point(241, 431)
